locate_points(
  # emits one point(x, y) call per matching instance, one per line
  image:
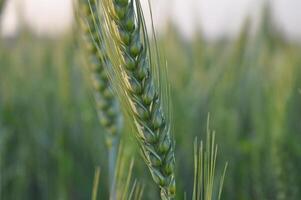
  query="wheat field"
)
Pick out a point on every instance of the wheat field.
point(107, 111)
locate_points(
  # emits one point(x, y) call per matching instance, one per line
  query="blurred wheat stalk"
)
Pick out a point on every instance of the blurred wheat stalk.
point(106, 103)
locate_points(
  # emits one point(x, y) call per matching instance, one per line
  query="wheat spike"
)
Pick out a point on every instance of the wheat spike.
point(142, 86)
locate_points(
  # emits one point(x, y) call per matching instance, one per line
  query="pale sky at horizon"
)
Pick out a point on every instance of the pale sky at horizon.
point(214, 17)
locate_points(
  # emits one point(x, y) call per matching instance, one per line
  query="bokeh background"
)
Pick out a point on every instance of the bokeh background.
point(215, 18)
point(238, 60)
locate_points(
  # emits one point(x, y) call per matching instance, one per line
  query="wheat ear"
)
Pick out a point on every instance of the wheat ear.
point(137, 72)
point(107, 104)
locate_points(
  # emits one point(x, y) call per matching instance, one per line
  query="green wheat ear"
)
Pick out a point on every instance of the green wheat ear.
point(106, 102)
point(140, 81)
point(205, 158)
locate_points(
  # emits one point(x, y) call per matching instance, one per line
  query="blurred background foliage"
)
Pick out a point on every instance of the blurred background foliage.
point(51, 142)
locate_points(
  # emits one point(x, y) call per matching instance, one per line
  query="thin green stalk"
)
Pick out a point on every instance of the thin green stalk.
point(95, 183)
point(106, 103)
point(141, 84)
point(127, 188)
point(112, 167)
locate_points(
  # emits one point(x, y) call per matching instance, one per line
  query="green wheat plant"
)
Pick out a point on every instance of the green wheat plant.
point(106, 103)
point(205, 158)
point(140, 82)
point(121, 48)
